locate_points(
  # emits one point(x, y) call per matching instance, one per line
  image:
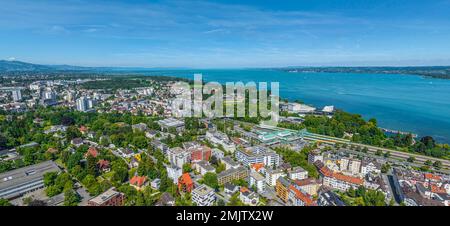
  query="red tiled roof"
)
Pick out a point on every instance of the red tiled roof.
point(103, 163)
point(244, 189)
point(304, 182)
point(257, 166)
point(436, 189)
point(304, 197)
point(339, 176)
point(83, 129)
point(186, 179)
point(236, 140)
point(431, 176)
point(92, 151)
point(138, 180)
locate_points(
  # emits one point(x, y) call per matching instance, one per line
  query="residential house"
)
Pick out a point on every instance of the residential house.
point(155, 184)
point(174, 172)
point(230, 188)
point(204, 167)
point(203, 195)
point(272, 176)
point(229, 163)
point(248, 197)
point(257, 180)
point(297, 173)
point(139, 182)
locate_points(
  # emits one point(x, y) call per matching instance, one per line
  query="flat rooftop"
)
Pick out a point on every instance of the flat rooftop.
point(171, 122)
point(202, 190)
point(105, 196)
point(13, 180)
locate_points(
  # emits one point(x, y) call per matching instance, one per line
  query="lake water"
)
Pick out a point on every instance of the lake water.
point(401, 102)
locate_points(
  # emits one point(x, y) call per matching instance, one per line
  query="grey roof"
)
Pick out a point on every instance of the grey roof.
point(230, 186)
point(16, 182)
point(257, 176)
point(231, 171)
point(331, 199)
point(284, 182)
point(230, 161)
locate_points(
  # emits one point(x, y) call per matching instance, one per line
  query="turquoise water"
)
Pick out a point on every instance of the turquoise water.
point(401, 102)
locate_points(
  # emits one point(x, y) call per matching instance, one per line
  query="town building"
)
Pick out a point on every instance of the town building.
point(111, 197)
point(219, 138)
point(248, 197)
point(178, 156)
point(229, 163)
point(282, 188)
point(298, 198)
point(174, 172)
point(185, 183)
point(258, 154)
point(16, 95)
point(218, 153)
point(231, 174)
point(204, 167)
point(18, 182)
point(350, 166)
point(329, 198)
point(370, 167)
point(139, 182)
point(308, 185)
point(257, 180)
point(84, 104)
point(171, 124)
point(297, 173)
point(166, 199)
point(272, 176)
point(199, 153)
point(142, 127)
point(230, 188)
point(338, 180)
point(203, 195)
point(314, 156)
point(155, 184)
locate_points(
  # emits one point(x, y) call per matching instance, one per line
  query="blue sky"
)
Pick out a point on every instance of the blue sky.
point(228, 33)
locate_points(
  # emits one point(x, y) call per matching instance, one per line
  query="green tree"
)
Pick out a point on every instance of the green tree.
point(210, 179)
point(437, 164)
point(4, 202)
point(49, 178)
point(91, 165)
point(187, 168)
point(71, 198)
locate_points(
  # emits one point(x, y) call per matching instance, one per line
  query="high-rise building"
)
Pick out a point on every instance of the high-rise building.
point(82, 104)
point(16, 95)
point(49, 95)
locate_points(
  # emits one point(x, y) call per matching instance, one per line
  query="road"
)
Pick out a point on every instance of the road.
point(373, 149)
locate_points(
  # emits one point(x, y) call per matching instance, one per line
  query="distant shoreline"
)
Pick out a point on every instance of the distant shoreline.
point(17, 67)
point(438, 72)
